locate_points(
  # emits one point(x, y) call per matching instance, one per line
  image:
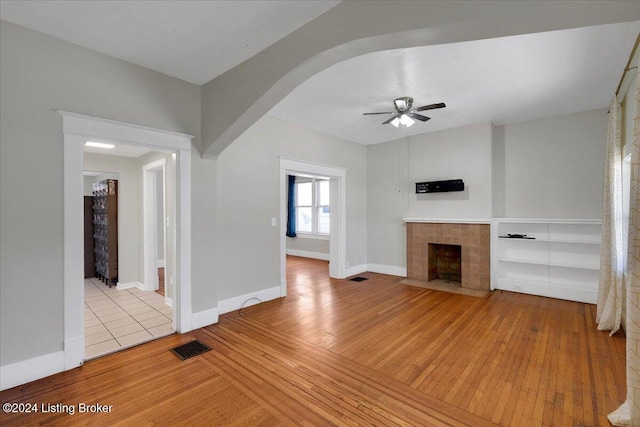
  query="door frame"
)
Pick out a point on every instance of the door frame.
point(337, 235)
point(77, 129)
point(150, 221)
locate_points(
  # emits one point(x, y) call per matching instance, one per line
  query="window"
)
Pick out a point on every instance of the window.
point(312, 206)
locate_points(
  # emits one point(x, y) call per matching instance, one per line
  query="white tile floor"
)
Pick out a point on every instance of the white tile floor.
point(115, 319)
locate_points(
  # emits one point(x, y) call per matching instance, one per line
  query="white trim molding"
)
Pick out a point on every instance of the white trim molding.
point(204, 318)
point(18, 373)
point(355, 269)
point(247, 300)
point(391, 270)
point(449, 220)
point(130, 285)
point(308, 254)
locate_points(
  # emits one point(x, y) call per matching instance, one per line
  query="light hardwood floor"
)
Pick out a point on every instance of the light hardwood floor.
point(346, 353)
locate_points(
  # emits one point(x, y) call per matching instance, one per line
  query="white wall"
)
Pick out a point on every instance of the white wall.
point(129, 194)
point(38, 75)
point(248, 189)
point(554, 167)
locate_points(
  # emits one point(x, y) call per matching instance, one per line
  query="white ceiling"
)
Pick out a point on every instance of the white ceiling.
point(192, 40)
point(502, 80)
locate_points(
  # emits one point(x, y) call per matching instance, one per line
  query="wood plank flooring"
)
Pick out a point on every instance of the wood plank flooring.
point(337, 352)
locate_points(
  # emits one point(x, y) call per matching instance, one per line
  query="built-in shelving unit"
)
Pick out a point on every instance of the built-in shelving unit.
point(560, 258)
point(105, 238)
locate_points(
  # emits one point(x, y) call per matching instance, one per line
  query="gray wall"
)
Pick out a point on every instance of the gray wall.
point(38, 75)
point(249, 196)
point(554, 167)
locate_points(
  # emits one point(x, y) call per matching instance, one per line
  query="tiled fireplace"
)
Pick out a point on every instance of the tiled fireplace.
point(426, 239)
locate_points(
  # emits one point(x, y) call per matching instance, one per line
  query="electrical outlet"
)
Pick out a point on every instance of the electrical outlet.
point(273, 222)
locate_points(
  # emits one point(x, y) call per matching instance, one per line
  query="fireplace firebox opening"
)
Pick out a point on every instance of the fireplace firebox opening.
point(445, 263)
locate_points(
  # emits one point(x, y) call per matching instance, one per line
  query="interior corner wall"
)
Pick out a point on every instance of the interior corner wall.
point(39, 75)
point(129, 211)
point(388, 196)
point(554, 167)
point(248, 190)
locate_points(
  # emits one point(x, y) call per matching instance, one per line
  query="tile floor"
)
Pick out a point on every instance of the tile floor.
point(116, 319)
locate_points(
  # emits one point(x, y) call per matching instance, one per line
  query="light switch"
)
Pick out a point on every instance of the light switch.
point(273, 222)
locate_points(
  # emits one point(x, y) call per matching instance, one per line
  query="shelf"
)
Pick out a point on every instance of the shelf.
point(578, 242)
point(550, 263)
point(561, 261)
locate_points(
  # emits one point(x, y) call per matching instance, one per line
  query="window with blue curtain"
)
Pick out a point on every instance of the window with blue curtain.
point(291, 206)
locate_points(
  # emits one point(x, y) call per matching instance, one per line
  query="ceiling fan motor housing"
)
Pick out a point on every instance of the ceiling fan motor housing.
point(403, 104)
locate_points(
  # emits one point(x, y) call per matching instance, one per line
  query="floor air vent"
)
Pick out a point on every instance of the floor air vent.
point(359, 279)
point(191, 349)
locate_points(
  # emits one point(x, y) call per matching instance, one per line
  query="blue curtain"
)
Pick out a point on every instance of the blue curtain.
point(291, 207)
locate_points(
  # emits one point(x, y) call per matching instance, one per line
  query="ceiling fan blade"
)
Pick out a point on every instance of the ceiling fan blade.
point(430, 107)
point(418, 117)
point(390, 120)
point(370, 114)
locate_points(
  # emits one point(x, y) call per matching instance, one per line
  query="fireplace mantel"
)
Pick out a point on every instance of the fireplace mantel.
point(448, 220)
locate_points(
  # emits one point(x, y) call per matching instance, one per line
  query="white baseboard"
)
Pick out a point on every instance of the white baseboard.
point(247, 300)
point(130, 285)
point(588, 293)
point(308, 254)
point(387, 269)
point(168, 301)
point(160, 263)
point(355, 269)
point(204, 318)
point(25, 371)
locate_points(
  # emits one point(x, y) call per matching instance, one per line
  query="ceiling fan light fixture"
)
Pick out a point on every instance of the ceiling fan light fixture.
point(396, 122)
point(406, 120)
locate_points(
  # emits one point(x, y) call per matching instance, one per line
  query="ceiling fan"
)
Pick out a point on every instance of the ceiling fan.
point(405, 113)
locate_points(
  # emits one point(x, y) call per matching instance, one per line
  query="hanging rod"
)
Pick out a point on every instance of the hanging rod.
point(627, 67)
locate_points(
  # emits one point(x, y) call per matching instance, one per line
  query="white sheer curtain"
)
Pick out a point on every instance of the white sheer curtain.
point(609, 309)
point(629, 413)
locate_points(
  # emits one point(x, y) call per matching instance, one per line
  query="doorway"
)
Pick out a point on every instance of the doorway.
point(76, 129)
point(337, 235)
point(129, 311)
